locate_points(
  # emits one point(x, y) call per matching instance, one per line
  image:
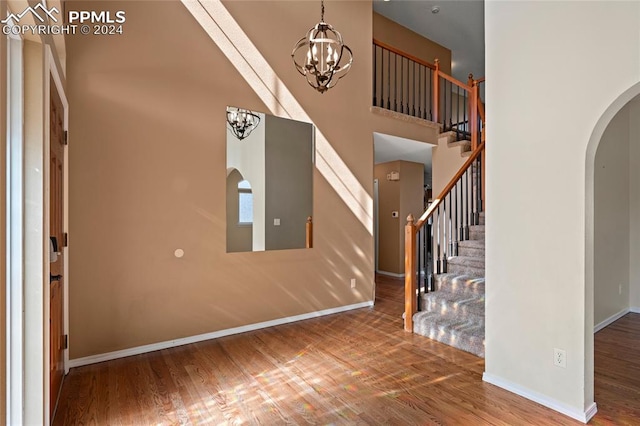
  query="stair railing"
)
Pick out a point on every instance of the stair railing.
point(434, 238)
point(402, 82)
point(412, 86)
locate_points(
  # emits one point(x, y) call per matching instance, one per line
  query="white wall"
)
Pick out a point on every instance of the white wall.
point(634, 206)
point(611, 220)
point(248, 157)
point(548, 83)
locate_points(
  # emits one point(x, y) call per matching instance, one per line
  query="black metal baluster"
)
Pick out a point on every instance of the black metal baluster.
point(375, 75)
point(470, 195)
point(444, 106)
point(402, 84)
point(430, 255)
point(388, 79)
point(395, 83)
point(464, 114)
point(455, 221)
point(407, 92)
point(451, 239)
point(415, 89)
point(431, 88)
point(438, 242)
point(457, 118)
point(465, 206)
point(479, 190)
point(420, 91)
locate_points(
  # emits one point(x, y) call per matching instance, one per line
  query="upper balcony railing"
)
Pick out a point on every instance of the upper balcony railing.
point(412, 86)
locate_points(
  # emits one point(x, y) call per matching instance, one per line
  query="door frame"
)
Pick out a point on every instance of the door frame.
point(52, 73)
point(14, 230)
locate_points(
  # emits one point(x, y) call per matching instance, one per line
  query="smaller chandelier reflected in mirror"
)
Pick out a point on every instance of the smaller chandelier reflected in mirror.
point(321, 56)
point(242, 121)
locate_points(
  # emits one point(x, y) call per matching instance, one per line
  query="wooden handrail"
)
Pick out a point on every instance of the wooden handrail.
point(436, 202)
point(481, 110)
point(401, 53)
point(455, 81)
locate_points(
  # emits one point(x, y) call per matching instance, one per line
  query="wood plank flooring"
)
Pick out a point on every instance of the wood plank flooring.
point(358, 367)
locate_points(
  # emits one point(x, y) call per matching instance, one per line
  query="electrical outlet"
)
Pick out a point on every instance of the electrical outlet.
point(619, 288)
point(353, 283)
point(559, 358)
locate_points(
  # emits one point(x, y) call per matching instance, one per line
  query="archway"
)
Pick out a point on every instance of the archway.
point(604, 223)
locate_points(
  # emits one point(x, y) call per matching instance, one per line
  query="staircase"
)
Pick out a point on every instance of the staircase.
point(454, 313)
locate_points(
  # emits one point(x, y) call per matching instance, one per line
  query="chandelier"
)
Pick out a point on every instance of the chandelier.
point(321, 56)
point(242, 121)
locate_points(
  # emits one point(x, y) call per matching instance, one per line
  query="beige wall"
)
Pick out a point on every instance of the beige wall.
point(148, 176)
point(388, 227)
point(611, 220)
point(3, 241)
point(445, 163)
point(543, 291)
point(634, 205)
point(404, 196)
point(389, 32)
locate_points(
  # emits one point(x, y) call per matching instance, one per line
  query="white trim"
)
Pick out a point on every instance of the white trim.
point(92, 359)
point(635, 310)
point(14, 225)
point(55, 74)
point(52, 73)
point(390, 274)
point(561, 407)
point(613, 318)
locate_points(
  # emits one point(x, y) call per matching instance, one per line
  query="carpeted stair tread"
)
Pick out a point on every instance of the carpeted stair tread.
point(464, 334)
point(473, 266)
point(471, 244)
point(466, 260)
point(471, 248)
point(463, 305)
point(477, 229)
point(460, 284)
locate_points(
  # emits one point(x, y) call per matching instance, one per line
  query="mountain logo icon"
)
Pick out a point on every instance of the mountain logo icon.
point(39, 12)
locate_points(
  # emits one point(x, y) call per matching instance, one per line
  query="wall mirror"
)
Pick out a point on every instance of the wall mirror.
point(269, 182)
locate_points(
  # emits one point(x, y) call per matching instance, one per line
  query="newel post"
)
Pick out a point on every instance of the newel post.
point(409, 273)
point(470, 101)
point(474, 115)
point(436, 91)
point(309, 232)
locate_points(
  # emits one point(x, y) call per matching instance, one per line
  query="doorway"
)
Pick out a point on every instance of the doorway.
point(57, 242)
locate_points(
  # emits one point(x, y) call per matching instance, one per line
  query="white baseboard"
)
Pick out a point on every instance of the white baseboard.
point(390, 274)
point(582, 416)
point(93, 359)
point(613, 318)
point(635, 310)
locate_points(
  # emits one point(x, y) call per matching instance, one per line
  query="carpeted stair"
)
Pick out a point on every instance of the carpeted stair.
point(454, 313)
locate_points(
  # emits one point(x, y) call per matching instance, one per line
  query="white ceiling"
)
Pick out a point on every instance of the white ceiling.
point(458, 26)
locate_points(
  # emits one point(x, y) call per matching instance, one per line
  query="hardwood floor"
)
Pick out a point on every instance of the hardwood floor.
point(358, 367)
point(617, 372)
